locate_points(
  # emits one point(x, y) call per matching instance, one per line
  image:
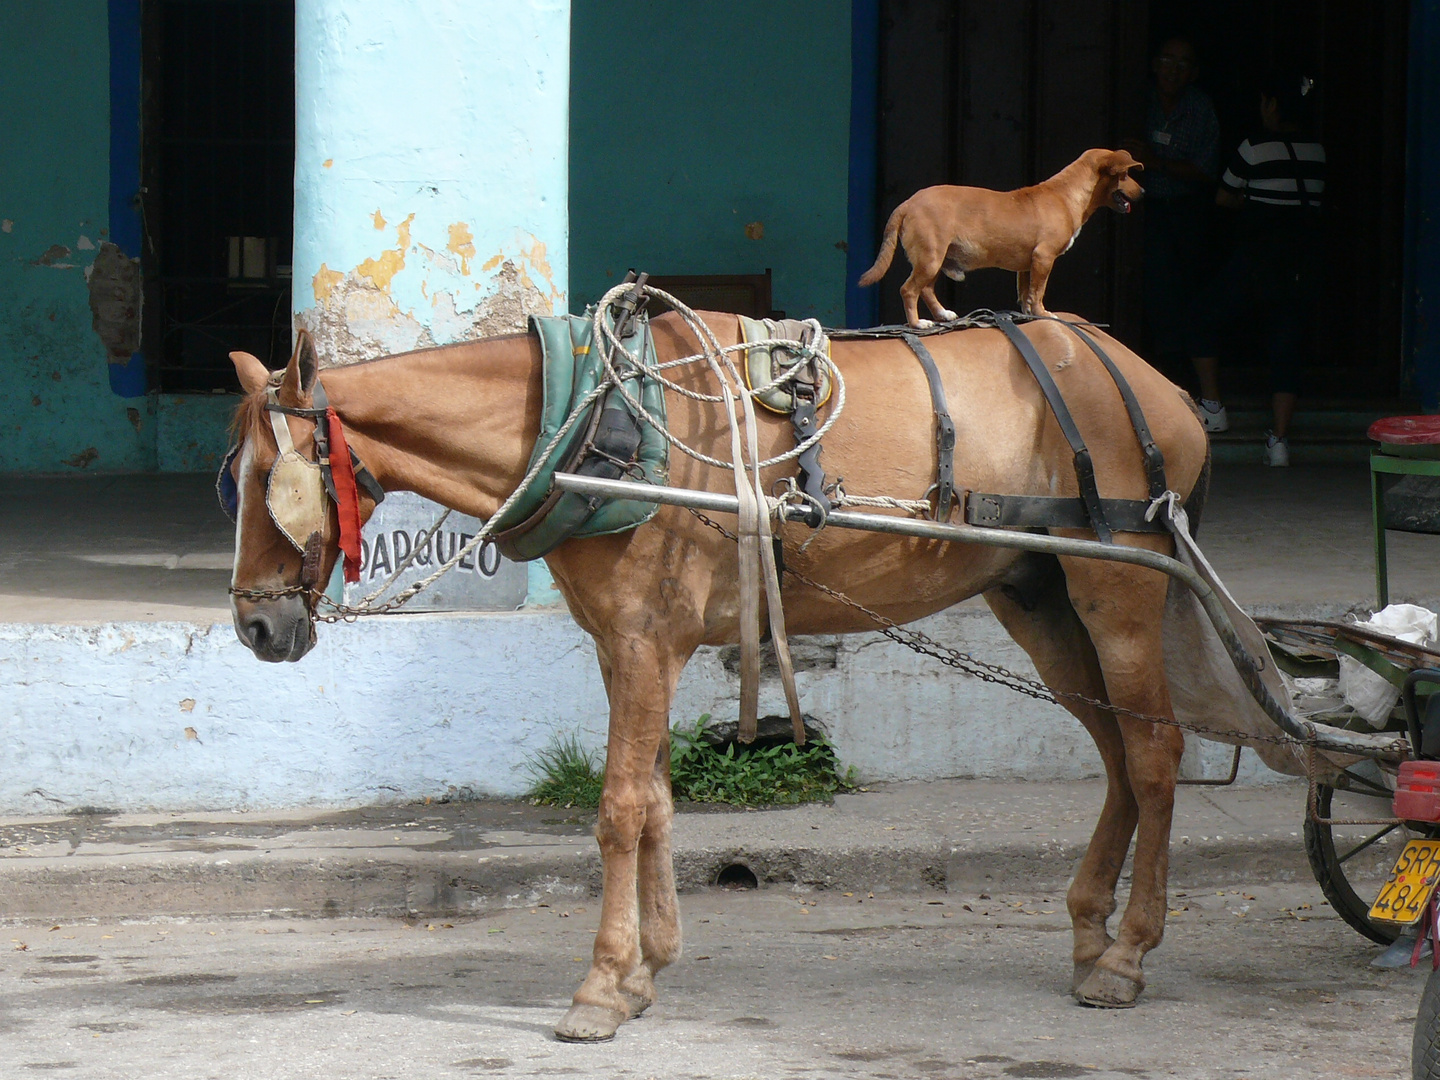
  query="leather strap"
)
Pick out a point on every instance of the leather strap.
point(1154, 459)
point(1084, 467)
point(811, 475)
point(944, 429)
point(364, 478)
point(1055, 512)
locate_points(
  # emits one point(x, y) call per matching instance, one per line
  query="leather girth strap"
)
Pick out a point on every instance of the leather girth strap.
point(1055, 512)
point(944, 429)
point(1084, 467)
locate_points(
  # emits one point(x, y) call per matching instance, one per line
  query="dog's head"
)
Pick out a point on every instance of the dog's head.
point(1115, 187)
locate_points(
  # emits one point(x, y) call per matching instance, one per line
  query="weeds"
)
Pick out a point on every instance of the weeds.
point(566, 774)
point(753, 776)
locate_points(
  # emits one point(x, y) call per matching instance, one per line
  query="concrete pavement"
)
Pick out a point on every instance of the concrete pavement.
point(781, 983)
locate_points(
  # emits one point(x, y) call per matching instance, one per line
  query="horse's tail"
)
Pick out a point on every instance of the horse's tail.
point(887, 248)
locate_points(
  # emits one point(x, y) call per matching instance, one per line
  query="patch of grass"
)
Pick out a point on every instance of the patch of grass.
point(774, 775)
point(566, 774)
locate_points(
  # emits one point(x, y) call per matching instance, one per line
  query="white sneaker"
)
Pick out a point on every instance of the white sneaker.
point(1213, 416)
point(1277, 450)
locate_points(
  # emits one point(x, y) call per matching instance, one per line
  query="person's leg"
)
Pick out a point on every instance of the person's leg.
point(1283, 404)
point(1207, 370)
point(1216, 306)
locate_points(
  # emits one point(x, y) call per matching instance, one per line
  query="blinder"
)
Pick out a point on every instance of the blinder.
point(295, 492)
point(226, 488)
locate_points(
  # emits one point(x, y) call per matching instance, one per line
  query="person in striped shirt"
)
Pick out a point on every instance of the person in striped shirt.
point(1276, 181)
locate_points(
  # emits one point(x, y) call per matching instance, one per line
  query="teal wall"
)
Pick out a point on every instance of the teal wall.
point(59, 414)
point(689, 122)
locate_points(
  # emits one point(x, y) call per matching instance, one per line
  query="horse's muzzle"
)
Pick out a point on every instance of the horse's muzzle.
point(277, 630)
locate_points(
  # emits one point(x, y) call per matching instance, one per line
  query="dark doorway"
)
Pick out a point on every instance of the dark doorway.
point(1000, 94)
point(218, 162)
point(1003, 93)
point(1357, 55)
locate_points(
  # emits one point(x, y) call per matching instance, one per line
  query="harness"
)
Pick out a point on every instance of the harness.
point(297, 488)
point(1104, 517)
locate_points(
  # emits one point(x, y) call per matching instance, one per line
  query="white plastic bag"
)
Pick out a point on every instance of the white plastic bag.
point(1366, 692)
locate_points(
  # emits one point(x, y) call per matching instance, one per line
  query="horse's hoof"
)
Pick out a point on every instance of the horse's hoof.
point(1105, 989)
point(589, 1023)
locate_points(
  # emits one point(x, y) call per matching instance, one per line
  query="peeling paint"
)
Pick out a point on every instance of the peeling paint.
point(324, 283)
point(357, 321)
point(7, 225)
point(379, 220)
point(462, 243)
point(52, 256)
point(83, 458)
point(364, 312)
point(84, 244)
point(114, 286)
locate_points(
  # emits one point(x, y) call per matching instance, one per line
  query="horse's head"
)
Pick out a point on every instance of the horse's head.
point(286, 528)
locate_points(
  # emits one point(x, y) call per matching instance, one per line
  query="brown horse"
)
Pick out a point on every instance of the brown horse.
point(457, 424)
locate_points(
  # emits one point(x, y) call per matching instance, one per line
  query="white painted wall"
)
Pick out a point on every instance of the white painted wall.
point(175, 716)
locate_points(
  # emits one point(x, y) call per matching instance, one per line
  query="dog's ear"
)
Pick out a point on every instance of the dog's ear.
point(1121, 163)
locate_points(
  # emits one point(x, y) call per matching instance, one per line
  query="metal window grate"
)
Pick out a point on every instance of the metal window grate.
point(219, 159)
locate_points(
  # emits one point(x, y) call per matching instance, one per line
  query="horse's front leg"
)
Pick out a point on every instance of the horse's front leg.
point(659, 906)
point(633, 833)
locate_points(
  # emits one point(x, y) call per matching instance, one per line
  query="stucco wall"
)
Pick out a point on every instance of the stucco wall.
point(178, 716)
point(60, 413)
point(429, 171)
point(690, 123)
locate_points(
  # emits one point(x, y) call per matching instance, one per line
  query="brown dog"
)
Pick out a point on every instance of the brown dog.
point(954, 229)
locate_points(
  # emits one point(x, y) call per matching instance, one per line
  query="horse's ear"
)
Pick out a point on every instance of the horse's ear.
point(253, 375)
point(300, 373)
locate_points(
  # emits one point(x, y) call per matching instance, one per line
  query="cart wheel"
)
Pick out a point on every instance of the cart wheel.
point(1425, 1050)
point(1350, 862)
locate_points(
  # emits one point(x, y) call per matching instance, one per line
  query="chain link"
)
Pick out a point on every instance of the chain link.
point(922, 643)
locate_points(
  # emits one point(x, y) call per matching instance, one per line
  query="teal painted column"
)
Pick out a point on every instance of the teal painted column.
point(431, 176)
point(430, 170)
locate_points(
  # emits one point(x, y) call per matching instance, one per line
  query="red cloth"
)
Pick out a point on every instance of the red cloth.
point(347, 496)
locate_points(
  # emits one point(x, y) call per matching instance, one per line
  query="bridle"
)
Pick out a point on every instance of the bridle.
point(297, 489)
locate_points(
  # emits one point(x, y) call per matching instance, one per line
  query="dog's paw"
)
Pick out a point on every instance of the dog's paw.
point(946, 315)
point(923, 324)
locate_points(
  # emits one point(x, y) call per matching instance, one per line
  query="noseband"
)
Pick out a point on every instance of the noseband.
point(297, 488)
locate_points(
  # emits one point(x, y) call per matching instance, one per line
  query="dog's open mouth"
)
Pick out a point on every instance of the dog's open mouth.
point(1122, 202)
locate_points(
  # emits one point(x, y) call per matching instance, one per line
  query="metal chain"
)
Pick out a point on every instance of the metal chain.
point(922, 643)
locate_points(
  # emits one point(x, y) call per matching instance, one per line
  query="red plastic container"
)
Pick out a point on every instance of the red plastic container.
point(1417, 792)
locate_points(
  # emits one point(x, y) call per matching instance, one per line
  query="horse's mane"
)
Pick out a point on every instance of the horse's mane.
point(247, 415)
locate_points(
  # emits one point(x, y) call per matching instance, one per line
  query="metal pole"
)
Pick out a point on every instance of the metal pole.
point(1246, 666)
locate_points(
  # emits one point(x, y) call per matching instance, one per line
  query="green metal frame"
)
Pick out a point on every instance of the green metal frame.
point(1394, 460)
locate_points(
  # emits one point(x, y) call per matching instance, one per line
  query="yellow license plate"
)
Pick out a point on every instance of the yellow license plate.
point(1414, 878)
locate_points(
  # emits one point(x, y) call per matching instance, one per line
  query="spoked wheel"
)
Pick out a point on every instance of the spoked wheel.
point(1425, 1049)
point(1351, 862)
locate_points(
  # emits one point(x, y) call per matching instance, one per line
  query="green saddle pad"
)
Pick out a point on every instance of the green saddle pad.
point(572, 369)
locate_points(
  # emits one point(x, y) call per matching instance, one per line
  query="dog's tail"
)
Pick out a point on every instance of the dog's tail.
point(887, 248)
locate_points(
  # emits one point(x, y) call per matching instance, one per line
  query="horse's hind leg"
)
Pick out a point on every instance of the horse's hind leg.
point(659, 907)
point(1035, 610)
point(1123, 608)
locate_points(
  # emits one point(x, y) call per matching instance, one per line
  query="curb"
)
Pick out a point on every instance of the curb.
point(386, 883)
